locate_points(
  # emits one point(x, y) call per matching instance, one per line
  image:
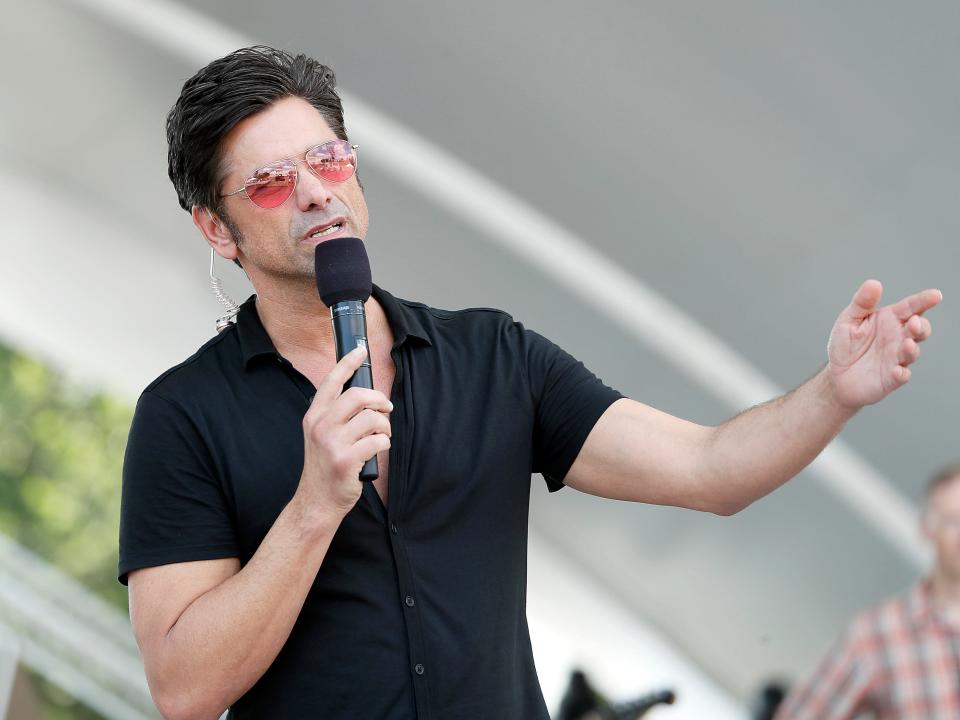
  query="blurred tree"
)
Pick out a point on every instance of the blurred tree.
point(61, 453)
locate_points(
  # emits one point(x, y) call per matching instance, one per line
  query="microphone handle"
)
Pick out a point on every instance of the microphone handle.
point(350, 331)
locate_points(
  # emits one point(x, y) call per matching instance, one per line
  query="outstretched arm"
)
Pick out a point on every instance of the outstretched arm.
point(635, 452)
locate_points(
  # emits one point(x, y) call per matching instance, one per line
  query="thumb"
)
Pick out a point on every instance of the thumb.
point(865, 300)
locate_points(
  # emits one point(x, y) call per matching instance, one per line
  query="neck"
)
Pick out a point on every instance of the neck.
point(295, 318)
point(299, 324)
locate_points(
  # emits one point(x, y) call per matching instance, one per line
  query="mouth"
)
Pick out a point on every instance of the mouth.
point(322, 232)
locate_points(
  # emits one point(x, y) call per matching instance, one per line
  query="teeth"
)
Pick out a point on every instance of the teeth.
point(326, 231)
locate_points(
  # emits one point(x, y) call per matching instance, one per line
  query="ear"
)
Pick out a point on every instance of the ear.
point(927, 522)
point(215, 231)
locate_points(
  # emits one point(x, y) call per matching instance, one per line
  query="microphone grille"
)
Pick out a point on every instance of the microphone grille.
point(343, 270)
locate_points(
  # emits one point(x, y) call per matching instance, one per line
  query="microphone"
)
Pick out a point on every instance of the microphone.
point(344, 284)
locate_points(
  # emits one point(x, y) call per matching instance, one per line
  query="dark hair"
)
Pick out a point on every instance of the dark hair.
point(943, 476)
point(225, 92)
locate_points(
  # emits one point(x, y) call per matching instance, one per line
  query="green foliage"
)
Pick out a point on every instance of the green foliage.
point(61, 453)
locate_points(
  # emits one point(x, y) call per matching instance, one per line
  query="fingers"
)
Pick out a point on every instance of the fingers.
point(341, 430)
point(331, 400)
point(901, 375)
point(353, 444)
point(355, 400)
point(367, 422)
point(909, 352)
point(916, 304)
point(370, 445)
point(865, 300)
point(918, 328)
point(332, 385)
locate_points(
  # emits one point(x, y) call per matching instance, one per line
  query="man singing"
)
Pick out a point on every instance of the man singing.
point(263, 575)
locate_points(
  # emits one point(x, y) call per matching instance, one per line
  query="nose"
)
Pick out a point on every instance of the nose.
point(312, 192)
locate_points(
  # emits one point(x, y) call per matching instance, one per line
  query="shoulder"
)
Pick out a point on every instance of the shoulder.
point(892, 618)
point(440, 318)
point(444, 327)
point(210, 365)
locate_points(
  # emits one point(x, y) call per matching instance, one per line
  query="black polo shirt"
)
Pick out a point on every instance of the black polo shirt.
point(418, 609)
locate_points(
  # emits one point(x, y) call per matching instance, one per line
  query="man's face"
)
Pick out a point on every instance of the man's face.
point(942, 527)
point(278, 243)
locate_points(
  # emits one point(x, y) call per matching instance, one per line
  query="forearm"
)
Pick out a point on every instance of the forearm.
point(635, 452)
point(755, 452)
point(227, 637)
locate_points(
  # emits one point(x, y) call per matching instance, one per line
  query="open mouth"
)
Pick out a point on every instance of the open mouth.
point(328, 230)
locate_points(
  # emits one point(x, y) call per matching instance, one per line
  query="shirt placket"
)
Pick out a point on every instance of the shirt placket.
point(402, 421)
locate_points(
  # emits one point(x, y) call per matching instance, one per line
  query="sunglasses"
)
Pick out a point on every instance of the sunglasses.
point(271, 185)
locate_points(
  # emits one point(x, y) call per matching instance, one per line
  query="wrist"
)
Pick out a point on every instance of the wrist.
point(831, 395)
point(314, 518)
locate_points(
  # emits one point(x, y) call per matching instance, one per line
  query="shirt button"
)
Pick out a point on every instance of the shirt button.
point(419, 669)
point(394, 529)
point(410, 601)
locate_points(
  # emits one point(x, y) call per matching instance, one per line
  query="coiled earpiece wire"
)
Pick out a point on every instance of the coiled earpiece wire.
point(216, 284)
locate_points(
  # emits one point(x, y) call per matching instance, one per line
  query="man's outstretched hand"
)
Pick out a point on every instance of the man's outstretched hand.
point(872, 347)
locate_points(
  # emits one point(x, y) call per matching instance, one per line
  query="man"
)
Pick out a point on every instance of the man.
point(901, 659)
point(263, 575)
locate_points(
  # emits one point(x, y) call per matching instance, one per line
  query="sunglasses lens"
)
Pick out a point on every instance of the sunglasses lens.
point(335, 161)
point(272, 184)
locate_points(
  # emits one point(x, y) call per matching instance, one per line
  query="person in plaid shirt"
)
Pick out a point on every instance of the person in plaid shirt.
point(900, 659)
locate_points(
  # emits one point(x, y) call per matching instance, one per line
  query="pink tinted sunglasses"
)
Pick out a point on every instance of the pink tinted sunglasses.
point(271, 185)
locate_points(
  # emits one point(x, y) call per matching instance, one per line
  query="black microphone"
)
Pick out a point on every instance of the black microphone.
point(344, 283)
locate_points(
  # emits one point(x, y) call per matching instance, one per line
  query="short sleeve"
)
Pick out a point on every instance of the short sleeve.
point(569, 400)
point(172, 505)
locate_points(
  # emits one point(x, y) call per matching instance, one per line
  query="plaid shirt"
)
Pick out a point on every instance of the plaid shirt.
point(896, 661)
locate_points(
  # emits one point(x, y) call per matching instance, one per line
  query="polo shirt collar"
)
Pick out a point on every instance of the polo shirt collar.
point(405, 323)
point(252, 336)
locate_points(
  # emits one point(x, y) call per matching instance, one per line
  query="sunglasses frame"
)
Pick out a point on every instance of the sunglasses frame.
point(296, 179)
